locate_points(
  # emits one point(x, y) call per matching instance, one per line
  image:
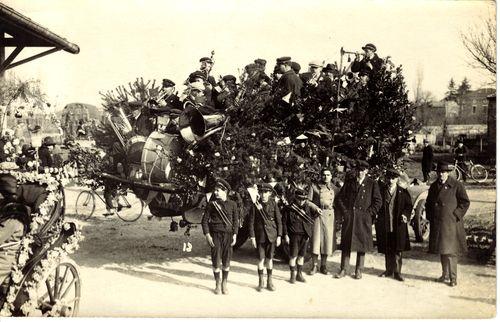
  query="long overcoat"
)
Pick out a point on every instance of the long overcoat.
point(445, 208)
point(399, 240)
point(357, 205)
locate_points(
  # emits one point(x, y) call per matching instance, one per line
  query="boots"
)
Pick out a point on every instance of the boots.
point(270, 285)
point(300, 278)
point(293, 274)
point(261, 280)
point(322, 268)
point(224, 282)
point(217, 282)
point(314, 268)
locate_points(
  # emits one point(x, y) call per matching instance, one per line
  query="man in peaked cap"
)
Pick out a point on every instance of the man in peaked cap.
point(445, 207)
point(226, 92)
point(261, 62)
point(206, 67)
point(265, 232)
point(288, 86)
point(220, 225)
point(358, 203)
point(370, 63)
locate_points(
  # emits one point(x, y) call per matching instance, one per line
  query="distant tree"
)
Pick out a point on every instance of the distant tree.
point(480, 41)
point(451, 94)
point(464, 87)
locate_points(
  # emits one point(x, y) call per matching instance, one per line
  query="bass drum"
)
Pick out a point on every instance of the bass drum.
point(156, 155)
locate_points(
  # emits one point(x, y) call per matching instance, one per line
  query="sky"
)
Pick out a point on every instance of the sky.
point(121, 40)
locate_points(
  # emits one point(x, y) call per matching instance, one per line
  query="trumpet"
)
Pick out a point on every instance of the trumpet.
point(343, 52)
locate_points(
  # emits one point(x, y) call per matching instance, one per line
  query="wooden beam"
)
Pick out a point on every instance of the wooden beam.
point(31, 42)
point(11, 58)
point(2, 50)
point(26, 60)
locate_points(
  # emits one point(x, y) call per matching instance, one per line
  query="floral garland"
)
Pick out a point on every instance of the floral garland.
point(38, 219)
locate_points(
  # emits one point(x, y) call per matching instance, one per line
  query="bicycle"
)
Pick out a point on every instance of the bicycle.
point(85, 205)
point(476, 171)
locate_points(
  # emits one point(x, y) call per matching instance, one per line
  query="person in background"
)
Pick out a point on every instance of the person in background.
point(427, 158)
point(45, 153)
point(460, 157)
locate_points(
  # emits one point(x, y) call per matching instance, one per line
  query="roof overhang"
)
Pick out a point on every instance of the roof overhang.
point(19, 31)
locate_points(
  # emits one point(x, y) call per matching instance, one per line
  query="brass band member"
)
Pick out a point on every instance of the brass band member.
point(220, 225)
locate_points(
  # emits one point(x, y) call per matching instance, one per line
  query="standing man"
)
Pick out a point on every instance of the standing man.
point(357, 203)
point(460, 156)
point(323, 240)
point(220, 226)
point(427, 156)
point(265, 232)
point(298, 221)
point(446, 205)
point(288, 85)
point(370, 63)
point(392, 225)
point(206, 64)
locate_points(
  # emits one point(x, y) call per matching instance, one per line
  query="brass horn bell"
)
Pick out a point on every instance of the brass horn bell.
point(195, 126)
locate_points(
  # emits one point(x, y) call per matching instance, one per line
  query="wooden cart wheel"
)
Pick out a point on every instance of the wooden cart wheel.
point(85, 204)
point(59, 293)
point(421, 224)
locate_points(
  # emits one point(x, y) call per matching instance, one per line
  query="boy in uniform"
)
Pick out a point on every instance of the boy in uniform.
point(220, 226)
point(265, 232)
point(298, 223)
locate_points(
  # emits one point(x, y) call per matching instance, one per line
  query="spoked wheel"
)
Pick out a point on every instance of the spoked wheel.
point(420, 224)
point(85, 204)
point(59, 294)
point(479, 173)
point(130, 208)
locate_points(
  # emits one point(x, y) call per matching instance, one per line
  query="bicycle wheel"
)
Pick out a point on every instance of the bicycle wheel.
point(85, 204)
point(479, 173)
point(129, 211)
point(456, 173)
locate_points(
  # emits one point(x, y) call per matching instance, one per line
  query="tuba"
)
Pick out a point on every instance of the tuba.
point(195, 127)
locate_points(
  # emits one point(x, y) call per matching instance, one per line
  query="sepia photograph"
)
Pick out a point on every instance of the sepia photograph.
point(248, 159)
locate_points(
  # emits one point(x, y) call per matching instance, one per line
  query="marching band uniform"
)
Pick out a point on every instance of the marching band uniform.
point(220, 225)
point(298, 219)
point(288, 86)
point(265, 229)
point(368, 65)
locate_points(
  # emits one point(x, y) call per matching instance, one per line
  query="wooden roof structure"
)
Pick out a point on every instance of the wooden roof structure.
point(19, 31)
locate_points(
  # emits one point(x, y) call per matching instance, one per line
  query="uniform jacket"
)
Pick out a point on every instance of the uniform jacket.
point(375, 61)
point(445, 208)
point(357, 205)
point(293, 222)
point(402, 206)
point(212, 221)
point(289, 82)
point(265, 230)
point(427, 157)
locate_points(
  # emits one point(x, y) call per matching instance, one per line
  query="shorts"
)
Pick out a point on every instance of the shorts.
point(222, 250)
point(266, 250)
point(298, 245)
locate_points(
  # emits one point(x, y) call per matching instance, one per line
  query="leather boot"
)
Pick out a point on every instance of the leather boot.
point(322, 268)
point(270, 285)
point(224, 282)
point(293, 274)
point(261, 280)
point(217, 282)
point(300, 278)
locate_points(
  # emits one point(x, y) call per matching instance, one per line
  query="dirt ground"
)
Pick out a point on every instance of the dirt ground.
point(139, 269)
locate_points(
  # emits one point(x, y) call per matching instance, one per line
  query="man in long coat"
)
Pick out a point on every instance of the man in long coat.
point(427, 157)
point(357, 203)
point(392, 225)
point(323, 240)
point(445, 207)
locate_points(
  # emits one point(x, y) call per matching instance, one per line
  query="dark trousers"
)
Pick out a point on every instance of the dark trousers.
point(449, 264)
point(346, 256)
point(426, 172)
point(393, 262)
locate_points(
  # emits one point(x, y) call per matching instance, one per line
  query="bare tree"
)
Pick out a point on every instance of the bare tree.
point(481, 44)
